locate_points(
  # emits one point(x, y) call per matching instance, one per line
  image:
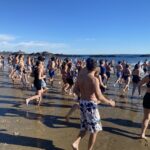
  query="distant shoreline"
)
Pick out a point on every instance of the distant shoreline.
point(45, 53)
point(104, 55)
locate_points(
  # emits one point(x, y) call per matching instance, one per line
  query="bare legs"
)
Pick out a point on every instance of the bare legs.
point(38, 97)
point(145, 122)
point(91, 143)
point(118, 81)
point(74, 108)
point(51, 80)
point(92, 140)
point(135, 86)
point(127, 83)
point(76, 143)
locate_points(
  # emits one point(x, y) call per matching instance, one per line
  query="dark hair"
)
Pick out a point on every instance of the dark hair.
point(127, 65)
point(16, 55)
point(38, 63)
point(136, 66)
point(21, 55)
point(52, 58)
point(63, 65)
point(41, 58)
point(101, 61)
point(91, 64)
point(66, 60)
point(119, 62)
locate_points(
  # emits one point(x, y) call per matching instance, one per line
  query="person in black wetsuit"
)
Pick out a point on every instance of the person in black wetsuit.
point(37, 83)
point(135, 78)
point(146, 103)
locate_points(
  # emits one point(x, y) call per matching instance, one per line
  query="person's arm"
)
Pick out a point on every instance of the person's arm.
point(99, 95)
point(105, 76)
point(129, 72)
point(142, 82)
point(101, 82)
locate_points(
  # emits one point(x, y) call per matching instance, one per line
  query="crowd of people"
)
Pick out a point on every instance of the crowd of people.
point(86, 80)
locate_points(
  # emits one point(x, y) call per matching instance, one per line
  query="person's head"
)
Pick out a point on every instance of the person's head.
point(41, 58)
point(16, 56)
point(137, 66)
point(63, 66)
point(127, 65)
point(21, 56)
point(66, 60)
point(119, 62)
point(52, 58)
point(109, 64)
point(39, 63)
point(91, 64)
point(69, 65)
point(101, 62)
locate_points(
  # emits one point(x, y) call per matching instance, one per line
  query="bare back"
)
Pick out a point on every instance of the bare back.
point(86, 85)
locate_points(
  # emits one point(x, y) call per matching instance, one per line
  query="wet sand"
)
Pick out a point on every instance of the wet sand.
point(45, 128)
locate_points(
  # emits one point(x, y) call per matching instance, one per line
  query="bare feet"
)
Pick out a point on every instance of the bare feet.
point(75, 146)
point(143, 137)
point(27, 102)
point(67, 119)
point(39, 102)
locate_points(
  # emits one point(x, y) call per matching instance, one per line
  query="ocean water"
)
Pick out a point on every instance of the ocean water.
point(131, 59)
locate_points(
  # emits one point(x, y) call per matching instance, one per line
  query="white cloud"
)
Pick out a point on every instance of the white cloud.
point(41, 44)
point(33, 46)
point(89, 39)
point(6, 38)
point(9, 43)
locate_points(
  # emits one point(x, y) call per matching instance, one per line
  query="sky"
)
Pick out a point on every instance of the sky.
point(75, 26)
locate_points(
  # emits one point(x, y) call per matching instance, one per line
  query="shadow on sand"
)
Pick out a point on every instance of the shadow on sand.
point(123, 122)
point(121, 132)
point(27, 141)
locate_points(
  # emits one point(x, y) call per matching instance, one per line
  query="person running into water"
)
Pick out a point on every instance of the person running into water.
point(87, 86)
point(103, 70)
point(135, 78)
point(119, 69)
point(51, 68)
point(103, 74)
point(37, 83)
point(64, 69)
point(146, 103)
point(126, 77)
point(145, 65)
point(15, 63)
point(108, 70)
point(69, 78)
point(76, 105)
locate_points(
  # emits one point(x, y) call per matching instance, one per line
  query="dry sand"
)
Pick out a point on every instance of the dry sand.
point(45, 128)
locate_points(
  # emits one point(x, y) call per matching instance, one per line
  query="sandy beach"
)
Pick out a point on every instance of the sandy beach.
point(45, 128)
